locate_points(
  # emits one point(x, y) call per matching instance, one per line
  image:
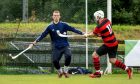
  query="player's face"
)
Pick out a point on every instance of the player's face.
point(56, 17)
point(96, 19)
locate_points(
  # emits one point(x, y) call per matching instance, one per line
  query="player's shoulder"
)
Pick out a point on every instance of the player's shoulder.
point(50, 24)
point(105, 21)
point(65, 23)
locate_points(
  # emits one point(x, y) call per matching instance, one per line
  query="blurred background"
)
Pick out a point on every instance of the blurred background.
point(123, 11)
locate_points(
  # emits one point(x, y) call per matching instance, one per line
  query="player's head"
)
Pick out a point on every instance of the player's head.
point(56, 16)
point(98, 15)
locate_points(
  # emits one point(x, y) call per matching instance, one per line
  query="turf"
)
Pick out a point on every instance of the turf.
point(74, 79)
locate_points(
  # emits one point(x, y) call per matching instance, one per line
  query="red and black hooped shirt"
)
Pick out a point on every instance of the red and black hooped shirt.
point(105, 31)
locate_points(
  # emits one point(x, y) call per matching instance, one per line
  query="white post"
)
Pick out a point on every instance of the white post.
point(109, 16)
point(109, 9)
point(86, 32)
point(25, 11)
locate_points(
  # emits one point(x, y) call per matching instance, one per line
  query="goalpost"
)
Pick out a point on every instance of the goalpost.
point(86, 7)
point(109, 16)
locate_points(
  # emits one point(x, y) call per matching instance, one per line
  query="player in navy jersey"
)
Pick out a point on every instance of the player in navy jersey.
point(60, 45)
point(110, 46)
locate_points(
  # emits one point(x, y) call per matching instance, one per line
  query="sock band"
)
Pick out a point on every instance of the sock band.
point(120, 64)
point(96, 63)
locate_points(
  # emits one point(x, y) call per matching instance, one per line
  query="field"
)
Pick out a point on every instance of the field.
point(74, 79)
point(122, 32)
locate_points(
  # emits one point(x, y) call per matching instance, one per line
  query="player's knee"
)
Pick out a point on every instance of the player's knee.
point(94, 55)
point(55, 61)
point(68, 56)
point(112, 60)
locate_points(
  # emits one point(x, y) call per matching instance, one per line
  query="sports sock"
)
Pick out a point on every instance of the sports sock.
point(66, 69)
point(96, 63)
point(60, 70)
point(120, 65)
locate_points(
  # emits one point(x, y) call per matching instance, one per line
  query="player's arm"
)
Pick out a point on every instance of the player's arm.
point(69, 28)
point(94, 33)
point(43, 35)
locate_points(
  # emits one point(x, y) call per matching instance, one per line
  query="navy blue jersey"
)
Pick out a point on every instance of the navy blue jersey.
point(58, 41)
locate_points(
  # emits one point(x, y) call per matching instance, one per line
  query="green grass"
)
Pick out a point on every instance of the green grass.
point(122, 31)
point(74, 79)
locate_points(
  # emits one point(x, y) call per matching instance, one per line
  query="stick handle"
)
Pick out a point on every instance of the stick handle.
point(63, 35)
point(14, 57)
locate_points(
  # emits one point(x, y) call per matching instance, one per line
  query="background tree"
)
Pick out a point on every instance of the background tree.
point(123, 11)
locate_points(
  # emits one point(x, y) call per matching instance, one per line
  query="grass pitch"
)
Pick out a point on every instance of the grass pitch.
point(74, 79)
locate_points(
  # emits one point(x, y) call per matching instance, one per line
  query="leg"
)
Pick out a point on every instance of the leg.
point(67, 54)
point(96, 61)
point(121, 65)
point(56, 58)
point(117, 63)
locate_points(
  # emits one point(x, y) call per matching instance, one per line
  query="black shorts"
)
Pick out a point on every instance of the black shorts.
point(111, 51)
point(58, 52)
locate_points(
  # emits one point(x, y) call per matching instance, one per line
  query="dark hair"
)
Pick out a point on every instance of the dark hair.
point(56, 11)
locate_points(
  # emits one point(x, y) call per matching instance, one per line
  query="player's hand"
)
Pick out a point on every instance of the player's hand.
point(88, 34)
point(32, 44)
point(85, 35)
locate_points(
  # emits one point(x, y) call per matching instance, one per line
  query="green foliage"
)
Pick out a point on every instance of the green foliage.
point(121, 31)
point(123, 17)
point(124, 11)
point(10, 9)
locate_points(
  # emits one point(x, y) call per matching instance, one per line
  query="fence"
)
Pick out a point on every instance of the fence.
point(42, 54)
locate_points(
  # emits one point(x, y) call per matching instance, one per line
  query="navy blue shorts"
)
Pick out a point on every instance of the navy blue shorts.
point(111, 51)
point(58, 52)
